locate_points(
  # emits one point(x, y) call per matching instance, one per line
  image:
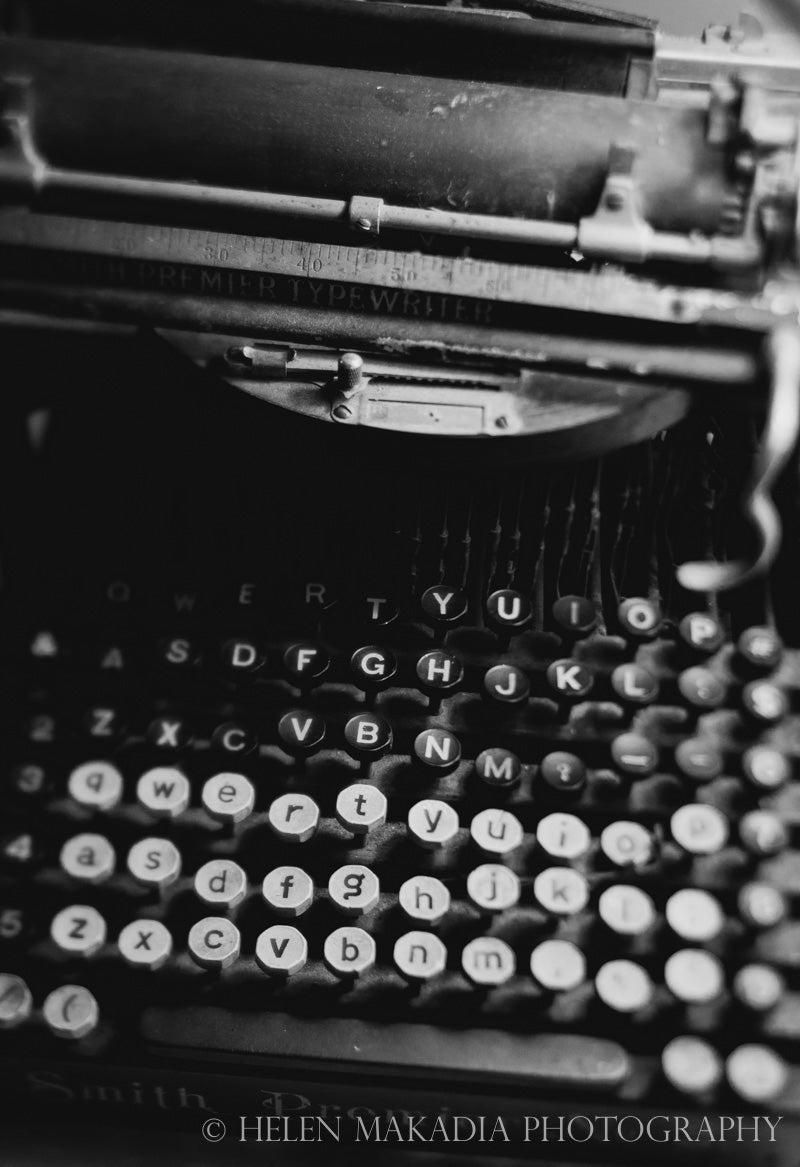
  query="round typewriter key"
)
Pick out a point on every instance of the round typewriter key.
point(437, 749)
point(228, 798)
point(488, 961)
point(422, 897)
point(634, 684)
point(634, 754)
point(702, 633)
point(354, 889)
point(367, 736)
point(221, 883)
point(90, 858)
point(569, 679)
point(361, 808)
point(694, 914)
point(234, 738)
point(44, 646)
point(306, 664)
point(558, 965)
point(760, 649)
point(561, 890)
point(19, 852)
point(418, 956)
point(498, 767)
point(29, 780)
point(71, 1012)
point(496, 831)
point(301, 732)
point(289, 891)
point(756, 1073)
point(439, 672)
point(79, 930)
point(691, 1065)
point(627, 844)
point(103, 722)
point(764, 702)
point(16, 1002)
point(694, 976)
point(623, 986)
point(563, 772)
point(766, 767)
point(762, 905)
point(762, 832)
point(508, 611)
point(178, 652)
point(563, 836)
point(701, 688)
point(493, 888)
point(699, 829)
point(164, 792)
point(443, 606)
point(169, 733)
point(639, 617)
point(214, 943)
point(156, 863)
point(294, 817)
point(145, 944)
point(96, 784)
point(506, 684)
point(759, 987)
point(242, 658)
point(575, 614)
point(627, 910)
point(281, 951)
point(698, 759)
point(372, 667)
point(349, 952)
point(432, 823)
point(377, 610)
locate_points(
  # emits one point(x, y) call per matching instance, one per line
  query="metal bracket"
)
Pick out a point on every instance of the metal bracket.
point(23, 166)
point(618, 226)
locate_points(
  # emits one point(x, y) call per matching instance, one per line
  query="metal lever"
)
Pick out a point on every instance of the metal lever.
point(778, 441)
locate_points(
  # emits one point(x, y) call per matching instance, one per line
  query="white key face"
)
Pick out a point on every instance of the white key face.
point(563, 836)
point(558, 965)
point(761, 905)
point(154, 862)
point(71, 1012)
point(624, 986)
point(419, 956)
point(423, 897)
point(145, 944)
point(164, 792)
point(694, 914)
point(294, 817)
point(221, 883)
point(493, 888)
point(691, 1065)
point(79, 930)
point(762, 832)
point(758, 986)
point(214, 942)
point(756, 1073)
point(89, 858)
point(229, 798)
point(699, 829)
point(496, 831)
point(354, 889)
point(488, 961)
point(289, 891)
point(561, 890)
point(281, 951)
point(766, 767)
point(627, 844)
point(16, 1002)
point(693, 975)
point(361, 808)
point(97, 785)
point(432, 823)
point(627, 910)
point(349, 952)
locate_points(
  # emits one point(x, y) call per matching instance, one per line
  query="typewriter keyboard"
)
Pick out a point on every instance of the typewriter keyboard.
point(563, 850)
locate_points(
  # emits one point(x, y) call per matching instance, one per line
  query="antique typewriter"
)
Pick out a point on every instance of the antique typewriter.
point(401, 639)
